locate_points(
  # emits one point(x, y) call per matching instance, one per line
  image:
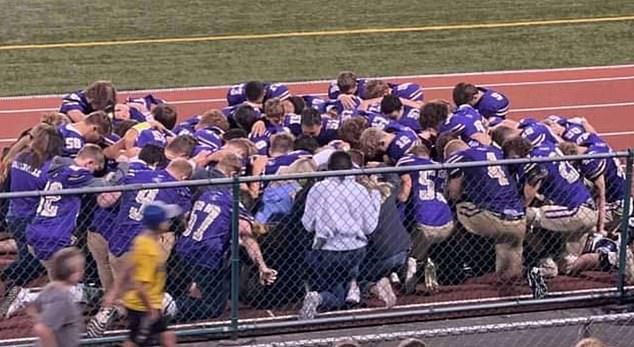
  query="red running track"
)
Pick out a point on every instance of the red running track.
point(601, 94)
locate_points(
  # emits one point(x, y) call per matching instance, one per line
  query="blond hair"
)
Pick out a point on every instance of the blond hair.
point(64, 264)
point(370, 141)
point(55, 119)
point(214, 118)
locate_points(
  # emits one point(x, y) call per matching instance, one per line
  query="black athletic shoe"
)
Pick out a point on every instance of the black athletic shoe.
point(10, 296)
point(537, 283)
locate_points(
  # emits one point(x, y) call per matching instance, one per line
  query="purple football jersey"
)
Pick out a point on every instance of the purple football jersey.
point(348, 112)
point(73, 140)
point(609, 167)
point(235, 95)
point(187, 127)
point(430, 205)
point(402, 144)
point(149, 101)
point(492, 188)
point(56, 215)
point(293, 123)
point(329, 129)
point(410, 118)
point(263, 141)
point(277, 90)
point(563, 185)
point(539, 134)
point(104, 220)
point(150, 136)
point(410, 91)
point(230, 110)
point(75, 101)
point(25, 178)
point(492, 103)
point(206, 239)
point(274, 164)
point(577, 133)
point(379, 121)
point(132, 203)
point(315, 102)
point(464, 122)
point(210, 138)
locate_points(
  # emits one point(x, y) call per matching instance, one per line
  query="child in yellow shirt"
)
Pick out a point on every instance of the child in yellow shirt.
point(145, 279)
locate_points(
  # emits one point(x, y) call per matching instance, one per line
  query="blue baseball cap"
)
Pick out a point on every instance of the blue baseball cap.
point(158, 212)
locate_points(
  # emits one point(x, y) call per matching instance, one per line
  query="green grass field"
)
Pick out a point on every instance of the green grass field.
point(55, 70)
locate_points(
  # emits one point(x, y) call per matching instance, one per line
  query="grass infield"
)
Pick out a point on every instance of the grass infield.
point(56, 70)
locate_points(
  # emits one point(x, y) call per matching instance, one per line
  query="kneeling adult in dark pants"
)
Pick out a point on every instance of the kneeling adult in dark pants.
point(341, 213)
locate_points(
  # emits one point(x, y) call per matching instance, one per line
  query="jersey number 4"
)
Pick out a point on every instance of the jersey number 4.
point(143, 198)
point(496, 171)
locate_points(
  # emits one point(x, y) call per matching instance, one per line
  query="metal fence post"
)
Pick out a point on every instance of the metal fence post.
point(235, 257)
point(625, 221)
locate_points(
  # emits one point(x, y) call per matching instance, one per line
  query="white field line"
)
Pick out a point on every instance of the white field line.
point(482, 73)
point(508, 84)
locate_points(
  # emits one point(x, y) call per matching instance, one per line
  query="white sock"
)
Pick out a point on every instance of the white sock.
point(77, 292)
point(30, 296)
point(169, 306)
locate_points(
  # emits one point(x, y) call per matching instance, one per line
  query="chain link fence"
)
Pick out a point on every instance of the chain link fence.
point(304, 243)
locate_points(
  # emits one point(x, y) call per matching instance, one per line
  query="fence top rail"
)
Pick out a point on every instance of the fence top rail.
point(313, 175)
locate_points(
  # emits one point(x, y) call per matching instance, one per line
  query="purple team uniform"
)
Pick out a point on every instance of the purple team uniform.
point(492, 190)
point(186, 127)
point(329, 127)
point(150, 136)
point(344, 113)
point(610, 167)
point(56, 216)
point(73, 140)
point(263, 141)
point(209, 139)
point(274, 164)
point(411, 118)
point(537, 133)
point(430, 206)
point(236, 94)
point(575, 132)
point(379, 121)
point(315, 102)
point(492, 104)
point(402, 144)
point(563, 185)
point(75, 101)
point(409, 91)
point(26, 178)
point(293, 123)
point(208, 233)
point(464, 122)
point(131, 203)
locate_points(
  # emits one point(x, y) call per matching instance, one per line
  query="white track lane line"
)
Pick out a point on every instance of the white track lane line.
point(405, 77)
point(509, 84)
